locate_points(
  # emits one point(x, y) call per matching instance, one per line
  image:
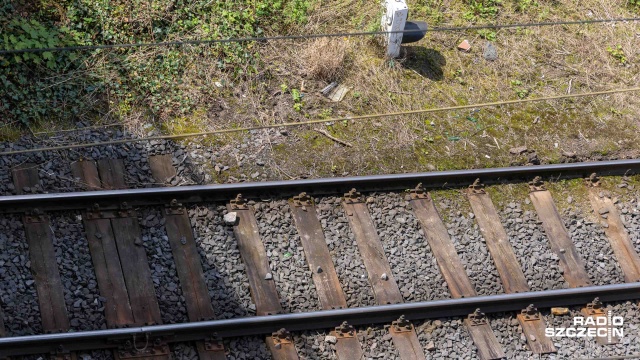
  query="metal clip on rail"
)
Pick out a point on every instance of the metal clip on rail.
point(477, 187)
point(401, 325)
point(419, 193)
point(477, 318)
point(530, 313)
point(593, 180)
point(537, 184)
point(239, 203)
point(173, 208)
point(138, 348)
point(281, 337)
point(345, 331)
point(302, 200)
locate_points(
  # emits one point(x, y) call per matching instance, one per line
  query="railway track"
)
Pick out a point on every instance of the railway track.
point(349, 271)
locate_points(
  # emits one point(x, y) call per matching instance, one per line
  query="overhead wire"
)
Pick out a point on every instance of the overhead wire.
point(290, 124)
point(312, 36)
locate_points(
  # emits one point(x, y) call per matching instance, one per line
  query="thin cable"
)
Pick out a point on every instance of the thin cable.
point(309, 36)
point(77, 129)
point(289, 124)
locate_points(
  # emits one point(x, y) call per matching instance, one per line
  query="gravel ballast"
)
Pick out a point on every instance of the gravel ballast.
point(594, 248)
point(470, 245)
point(412, 262)
point(224, 270)
point(85, 306)
point(541, 267)
point(17, 287)
point(344, 252)
point(286, 257)
point(163, 269)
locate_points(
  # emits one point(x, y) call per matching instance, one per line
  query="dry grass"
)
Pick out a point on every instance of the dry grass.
point(325, 59)
point(533, 62)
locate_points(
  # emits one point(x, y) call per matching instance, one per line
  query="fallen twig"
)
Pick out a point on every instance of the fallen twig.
point(341, 142)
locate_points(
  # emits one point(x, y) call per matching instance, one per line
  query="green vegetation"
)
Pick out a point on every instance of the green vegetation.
point(482, 9)
point(158, 82)
point(617, 54)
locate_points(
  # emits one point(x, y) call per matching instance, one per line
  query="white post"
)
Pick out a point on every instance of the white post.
point(394, 19)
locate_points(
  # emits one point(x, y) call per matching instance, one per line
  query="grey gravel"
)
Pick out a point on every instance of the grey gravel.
point(540, 265)
point(184, 351)
point(95, 355)
point(18, 296)
point(289, 267)
point(572, 348)
point(247, 348)
point(312, 345)
point(594, 248)
point(469, 244)
point(163, 269)
point(630, 215)
point(449, 337)
point(81, 292)
point(224, 270)
point(377, 343)
point(344, 252)
point(414, 267)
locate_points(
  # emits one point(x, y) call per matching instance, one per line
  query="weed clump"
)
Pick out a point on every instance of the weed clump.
point(325, 59)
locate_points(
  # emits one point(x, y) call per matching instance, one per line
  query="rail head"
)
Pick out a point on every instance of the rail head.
point(315, 187)
point(316, 320)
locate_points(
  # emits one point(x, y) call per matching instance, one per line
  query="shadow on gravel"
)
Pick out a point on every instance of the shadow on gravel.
point(426, 62)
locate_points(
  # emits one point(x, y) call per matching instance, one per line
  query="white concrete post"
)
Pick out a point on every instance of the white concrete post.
point(394, 19)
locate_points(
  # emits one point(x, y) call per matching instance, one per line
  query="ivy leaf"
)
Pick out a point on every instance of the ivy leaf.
point(48, 55)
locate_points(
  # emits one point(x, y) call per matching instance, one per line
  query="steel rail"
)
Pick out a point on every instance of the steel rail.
point(316, 187)
point(259, 325)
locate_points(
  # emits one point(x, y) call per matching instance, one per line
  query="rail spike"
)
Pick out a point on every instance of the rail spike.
point(530, 313)
point(419, 192)
point(345, 330)
point(593, 180)
point(302, 200)
point(239, 203)
point(477, 187)
point(280, 337)
point(537, 184)
point(477, 318)
point(595, 307)
point(402, 325)
point(353, 197)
